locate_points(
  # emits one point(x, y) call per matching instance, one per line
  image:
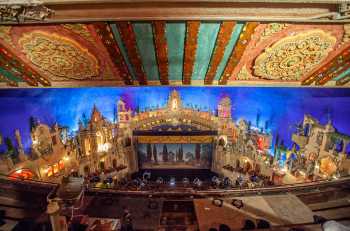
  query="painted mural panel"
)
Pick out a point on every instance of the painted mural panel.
point(180, 156)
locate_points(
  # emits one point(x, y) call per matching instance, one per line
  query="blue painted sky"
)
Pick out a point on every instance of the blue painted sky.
point(282, 106)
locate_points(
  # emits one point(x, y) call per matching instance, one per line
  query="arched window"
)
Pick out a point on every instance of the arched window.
point(102, 165)
point(307, 129)
point(99, 138)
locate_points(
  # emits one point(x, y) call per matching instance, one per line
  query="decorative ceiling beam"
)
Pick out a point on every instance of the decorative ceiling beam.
point(343, 81)
point(63, 11)
point(8, 81)
point(238, 51)
point(320, 74)
point(192, 29)
point(161, 51)
point(105, 33)
point(15, 66)
point(129, 39)
point(222, 41)
point(333, 72)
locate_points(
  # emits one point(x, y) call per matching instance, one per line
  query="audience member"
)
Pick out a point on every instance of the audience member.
point(263, 224)
point(223, 227)
point(248, 225)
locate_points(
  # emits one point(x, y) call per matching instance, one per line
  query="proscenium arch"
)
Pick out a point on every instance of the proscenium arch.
point(171, 118)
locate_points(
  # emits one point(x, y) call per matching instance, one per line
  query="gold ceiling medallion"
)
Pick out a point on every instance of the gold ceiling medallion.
point(23, 11)
point(293, 56)
point(60, 56)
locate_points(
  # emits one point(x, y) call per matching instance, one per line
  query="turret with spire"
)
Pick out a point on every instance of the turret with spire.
point(21, 155)
point(174, 102)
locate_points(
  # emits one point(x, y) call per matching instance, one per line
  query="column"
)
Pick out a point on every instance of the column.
point(345, 144)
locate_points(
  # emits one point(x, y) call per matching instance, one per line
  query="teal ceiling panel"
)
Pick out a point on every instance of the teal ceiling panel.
point(175, 35)
point(122, 49)
point(146, 48)
point(207, 34)
point(229, 48)
point(342, 75)
point(9, 76)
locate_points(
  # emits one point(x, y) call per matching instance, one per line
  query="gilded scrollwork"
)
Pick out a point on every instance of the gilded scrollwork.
point(293, 56)
point(346, 36)
point(80, 29)
point(271, 29)
point(5, 35)
point(60, 56)
point(244, 74)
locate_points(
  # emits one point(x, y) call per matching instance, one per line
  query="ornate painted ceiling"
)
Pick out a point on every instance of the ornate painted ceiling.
point(175, 53)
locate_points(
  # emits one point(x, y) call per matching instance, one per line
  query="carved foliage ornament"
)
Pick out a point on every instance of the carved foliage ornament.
point(271, 29)
point(80, 29)
point(244, 74)
point(60, 56)
point(293, 56)
point(5, 35)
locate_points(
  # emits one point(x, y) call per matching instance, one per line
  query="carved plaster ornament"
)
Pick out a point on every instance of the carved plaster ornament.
point(244, 74)
point(60, 56)
point(23, 10)
point(346, 36)
point(5, 35)
point(80, 29)
point(293, 56)
point(271, 29)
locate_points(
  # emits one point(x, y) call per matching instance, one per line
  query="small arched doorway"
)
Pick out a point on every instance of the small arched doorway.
point(246, 164)
point(114, 163)
point(102, 165)
point(237, 164)
point(86, 170)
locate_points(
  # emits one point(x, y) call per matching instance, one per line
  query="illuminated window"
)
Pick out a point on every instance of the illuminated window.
point(55, 168)
point(61, 165)
point(50, 171)
point(87, 146)
point(99, 138)
point(174, 104)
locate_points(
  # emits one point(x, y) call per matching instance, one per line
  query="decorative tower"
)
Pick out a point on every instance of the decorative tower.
point(226, 126)
point(123, 115)
point(224, 108)
point(21, 155)
point(95, 115)
point(174, 102)
point(327, 133)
